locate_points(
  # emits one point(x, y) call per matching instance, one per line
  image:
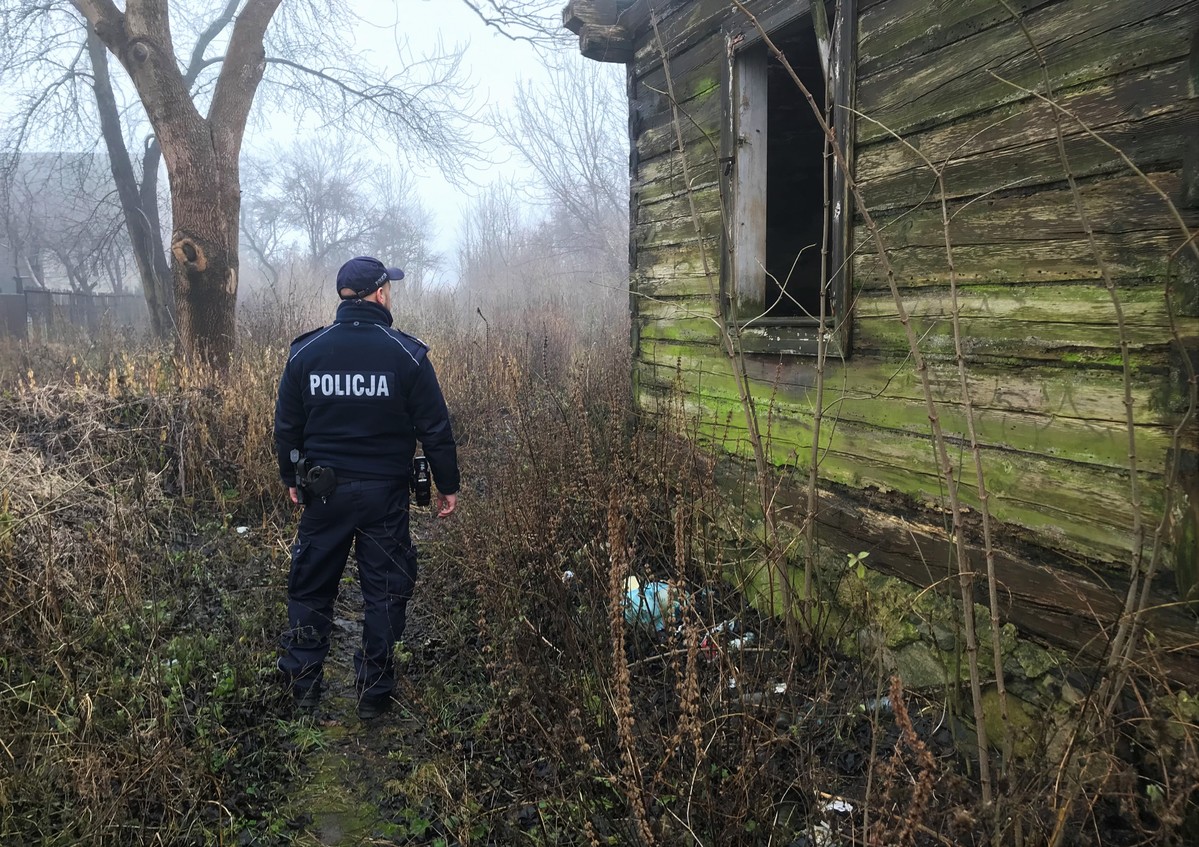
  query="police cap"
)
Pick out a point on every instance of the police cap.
point(363, 275)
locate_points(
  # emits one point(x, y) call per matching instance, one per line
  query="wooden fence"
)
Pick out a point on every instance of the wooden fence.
point(51, 315)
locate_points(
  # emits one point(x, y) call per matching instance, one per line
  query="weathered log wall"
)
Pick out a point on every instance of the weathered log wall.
point(953, 79)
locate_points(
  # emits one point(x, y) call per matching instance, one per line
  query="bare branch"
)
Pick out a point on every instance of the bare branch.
point(198, 63)
point(240, 74)
point(571, 135)
point(322, 200)
point(426, 115)
point(535, 22)
point(101, 14)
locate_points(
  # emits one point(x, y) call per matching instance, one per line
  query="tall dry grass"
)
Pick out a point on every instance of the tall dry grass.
point(134, 704)
point(678, 738)
point(138, 702)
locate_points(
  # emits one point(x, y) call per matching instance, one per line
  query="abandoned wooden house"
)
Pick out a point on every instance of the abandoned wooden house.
point(1057, 235)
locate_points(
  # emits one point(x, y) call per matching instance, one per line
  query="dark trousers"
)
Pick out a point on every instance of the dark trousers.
point(373, 515)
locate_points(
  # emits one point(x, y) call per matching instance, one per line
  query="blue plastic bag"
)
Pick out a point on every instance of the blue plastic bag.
point(651, 604)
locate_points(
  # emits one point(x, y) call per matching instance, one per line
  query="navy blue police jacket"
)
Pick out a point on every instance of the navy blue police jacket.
point(356, 396)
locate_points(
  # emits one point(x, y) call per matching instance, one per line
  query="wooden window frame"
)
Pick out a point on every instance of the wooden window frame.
point(743, 287)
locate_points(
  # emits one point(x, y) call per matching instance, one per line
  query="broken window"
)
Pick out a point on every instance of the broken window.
point(787, 236)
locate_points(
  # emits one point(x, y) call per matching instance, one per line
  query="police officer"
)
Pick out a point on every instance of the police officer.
point(354, 398)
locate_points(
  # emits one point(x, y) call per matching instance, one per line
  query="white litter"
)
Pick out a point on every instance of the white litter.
point(822, 836)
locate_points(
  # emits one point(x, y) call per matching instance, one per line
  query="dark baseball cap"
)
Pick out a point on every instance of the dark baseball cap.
point(363, 275)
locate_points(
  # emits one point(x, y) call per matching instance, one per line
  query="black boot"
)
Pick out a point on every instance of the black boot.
point(306, 699)
point(370, 708)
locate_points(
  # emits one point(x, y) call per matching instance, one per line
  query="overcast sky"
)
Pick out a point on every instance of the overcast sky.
point(494, 64)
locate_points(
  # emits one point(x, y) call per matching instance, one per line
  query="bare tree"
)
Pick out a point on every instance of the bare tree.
point(321, 193)
point(563, 236)
point(571, 133)
point(402, 228)
point(138, 195)
point(62, 207)
point(324, 200)
point(197, 98)
point(264, 232)
point(491, 240)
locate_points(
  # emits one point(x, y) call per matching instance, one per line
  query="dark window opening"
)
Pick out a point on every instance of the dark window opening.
point(795, 181)
point(778, 197)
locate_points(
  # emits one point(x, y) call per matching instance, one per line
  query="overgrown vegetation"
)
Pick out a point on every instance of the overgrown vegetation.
point(135, 695)
point(144, 546)
point(143, 553)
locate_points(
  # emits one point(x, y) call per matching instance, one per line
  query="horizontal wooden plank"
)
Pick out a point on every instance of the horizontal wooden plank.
point(680, 286)
point(676, 231)
point(685, 24)
point(707, 199)
point(1127, 256)
point(682, 276)
point(672, 187)
point(848, 396)
point(694, 73)
point(987, 339)
point(1072, 390)
point(1114, 100)
point(673, 285)
point(699, 119)
point(680, 25)
point(1053, 499)
point(1088, 304)
point(700, 151)
point(1080, 42)
point(1086, 444)
point(1122, 215)
point(662, 263)
point(692, 329)
point(898, 30)
point(1154, 142)
point(1122, 205)
point(662, 177)
point(674, 308)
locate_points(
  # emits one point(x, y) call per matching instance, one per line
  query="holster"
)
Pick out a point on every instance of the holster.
point(312, 480)
point(320, 482)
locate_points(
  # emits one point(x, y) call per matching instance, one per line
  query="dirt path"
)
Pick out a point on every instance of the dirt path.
point(375, 782)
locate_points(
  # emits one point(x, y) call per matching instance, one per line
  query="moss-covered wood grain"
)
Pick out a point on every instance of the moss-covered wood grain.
point(1080, 42)
point(1040, 337)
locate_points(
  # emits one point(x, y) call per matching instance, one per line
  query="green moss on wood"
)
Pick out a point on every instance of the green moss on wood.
point(852, 394)
point(1050, 497)
point(1132, 256)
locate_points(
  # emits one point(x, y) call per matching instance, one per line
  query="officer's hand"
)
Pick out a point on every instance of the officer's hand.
point(295, 498)
point(446, 503)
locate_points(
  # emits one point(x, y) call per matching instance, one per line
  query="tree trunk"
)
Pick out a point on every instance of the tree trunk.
point(201, 153)
point(206, 204)
point(148, 196)
point(141, 223)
